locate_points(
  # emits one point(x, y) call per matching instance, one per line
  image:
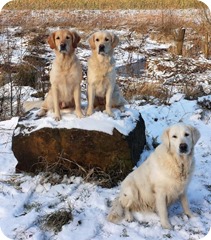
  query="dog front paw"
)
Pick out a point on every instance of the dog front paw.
point(191, 214)
point(57, 118)
point(89, 112)
point(166, 225)
point(129, 217)
point(79, 114)
point(109, 112)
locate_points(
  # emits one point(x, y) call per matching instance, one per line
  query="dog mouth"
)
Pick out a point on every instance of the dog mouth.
point(101, 53)
point(101, 50)
point(63, 48)
point(63, 51)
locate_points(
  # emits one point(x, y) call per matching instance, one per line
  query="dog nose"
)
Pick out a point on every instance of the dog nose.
point(62, 46)
point(183, 147)
point(101, 48)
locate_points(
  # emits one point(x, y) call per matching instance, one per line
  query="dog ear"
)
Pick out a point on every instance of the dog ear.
point(114, 41)
point(51, 41)
point(195, 134)
point(165, 138)
point(92, 41)
point(76, 38)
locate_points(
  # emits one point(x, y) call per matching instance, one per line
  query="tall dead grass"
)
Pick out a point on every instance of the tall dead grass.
point(102, 4)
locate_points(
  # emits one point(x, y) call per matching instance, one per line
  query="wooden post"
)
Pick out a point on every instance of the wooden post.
point(206, 46)
point(179, 37)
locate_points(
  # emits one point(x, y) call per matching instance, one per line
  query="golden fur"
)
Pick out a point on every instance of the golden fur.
point(65, 76)
point(161, 179)
point(102, 74)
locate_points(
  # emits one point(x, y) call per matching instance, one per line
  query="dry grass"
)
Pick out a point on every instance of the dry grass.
point(102, 4)
point(56, 220)
point(148, 92)
point(109, 178)
point(165, 19)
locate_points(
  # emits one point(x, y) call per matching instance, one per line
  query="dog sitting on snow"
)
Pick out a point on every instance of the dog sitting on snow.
point(161, 179)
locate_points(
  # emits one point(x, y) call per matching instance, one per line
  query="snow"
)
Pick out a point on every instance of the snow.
point(123, 122)
point(154, 45)
point(7, 160)
point(89, 203)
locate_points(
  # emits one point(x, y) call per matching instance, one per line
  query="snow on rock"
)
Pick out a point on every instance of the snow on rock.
point(124, 122)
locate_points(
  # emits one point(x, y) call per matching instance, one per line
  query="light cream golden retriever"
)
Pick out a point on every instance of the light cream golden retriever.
point(102, 74)
point(65, 75)
point(161, 179)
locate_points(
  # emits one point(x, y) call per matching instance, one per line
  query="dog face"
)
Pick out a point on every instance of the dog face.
point(181, 138)
point(64, 41)
point(103, 42)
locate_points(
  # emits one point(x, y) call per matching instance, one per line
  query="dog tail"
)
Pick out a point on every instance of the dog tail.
point(29, 105)
point(117, 212)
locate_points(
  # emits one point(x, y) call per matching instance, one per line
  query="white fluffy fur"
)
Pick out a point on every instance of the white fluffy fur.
point(161, 179)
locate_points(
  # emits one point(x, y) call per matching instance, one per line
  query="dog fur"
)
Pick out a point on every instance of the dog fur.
point(65, 75)
point(161, 179)
point(102, 74)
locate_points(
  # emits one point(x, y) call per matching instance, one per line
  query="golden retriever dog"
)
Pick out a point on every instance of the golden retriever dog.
point(102, 74)
point(65, 75)
point(161, 179)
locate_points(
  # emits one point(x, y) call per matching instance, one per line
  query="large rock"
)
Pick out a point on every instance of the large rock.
point(62, 149)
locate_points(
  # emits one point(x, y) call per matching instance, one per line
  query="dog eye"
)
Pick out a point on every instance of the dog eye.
point(97, 39)
point(106, 39)
point(67, 37)
point(174, 136)
point(58, 38)
point(187, 134)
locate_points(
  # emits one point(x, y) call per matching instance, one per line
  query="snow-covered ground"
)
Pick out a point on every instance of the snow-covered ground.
point(26, 200)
